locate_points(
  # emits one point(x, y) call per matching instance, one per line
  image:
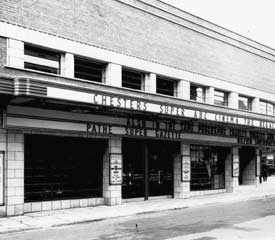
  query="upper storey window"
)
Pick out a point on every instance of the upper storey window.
point(41, 59)
point(166, 86)
point(220, 98)
point(197, 93)
point(132, 79)
point(245, 103)
point(267, 108)
point(88, 69)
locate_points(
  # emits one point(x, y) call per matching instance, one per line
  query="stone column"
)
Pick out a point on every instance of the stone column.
point(181, 186)
point(14, 180)
point(150, 84)
point(256, 105)
point(233, 101)
point(67, 65)
point(209, 95)
point(3, 149)
point(15, 53)
point(183, 90)
point(231, 175)
point(113, 75)
point(112, 193)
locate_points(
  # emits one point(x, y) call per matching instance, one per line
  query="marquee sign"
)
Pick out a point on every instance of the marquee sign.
point(146, 106)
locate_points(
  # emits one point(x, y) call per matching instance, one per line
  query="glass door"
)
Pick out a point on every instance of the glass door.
point(160, 168)
point(133, 185)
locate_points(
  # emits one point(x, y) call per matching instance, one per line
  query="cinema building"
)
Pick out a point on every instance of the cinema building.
point(106, 102)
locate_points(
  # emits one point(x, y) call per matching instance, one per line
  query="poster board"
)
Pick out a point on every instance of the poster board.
point(185, 168)
point(115, 160)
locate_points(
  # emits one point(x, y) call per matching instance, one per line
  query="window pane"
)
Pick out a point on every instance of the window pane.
point(41, 59)
point(220, 98)
point(165, 86)
point(263, 107)
point(41, 68)
point(41, 53)
point(89, 70)
point(270, 109)
point(266, 108)
point(132, 79)
point(244, 103)
point(197, 93)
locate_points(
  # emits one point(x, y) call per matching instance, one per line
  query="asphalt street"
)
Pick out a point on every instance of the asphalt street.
point(214, 221)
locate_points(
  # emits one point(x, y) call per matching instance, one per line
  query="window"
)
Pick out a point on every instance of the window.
point(245, 103)
point(220, 98)
point(88, 69)
point(71, 169)
point(207, 167)
point(41, 59)
point(197, 93)
point(266, 108)
point(165, 86)
point(132, 79)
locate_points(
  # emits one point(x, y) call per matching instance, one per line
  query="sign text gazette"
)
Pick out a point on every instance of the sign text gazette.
point(175, 130)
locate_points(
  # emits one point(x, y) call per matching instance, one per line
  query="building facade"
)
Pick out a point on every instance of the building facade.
point(111, 101)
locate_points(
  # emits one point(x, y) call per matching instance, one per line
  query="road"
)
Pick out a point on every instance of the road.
point(244, 220)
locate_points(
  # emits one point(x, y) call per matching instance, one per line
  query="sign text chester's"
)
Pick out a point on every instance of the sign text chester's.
point(151, 106)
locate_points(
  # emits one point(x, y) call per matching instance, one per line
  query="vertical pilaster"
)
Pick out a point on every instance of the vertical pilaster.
point(182, 169)
point(14, 186)
point(67, 65)
point(209, 95)
point(111, 193)
point(150, 84)
point(183, 90)
point(15, 53)
point(113, 75)
point(256, 105)
point(232, 170)
point(3, 149)
point(233, 100)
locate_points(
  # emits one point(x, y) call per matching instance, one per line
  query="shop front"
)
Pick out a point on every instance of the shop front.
point(61, 167)
point(62, 154)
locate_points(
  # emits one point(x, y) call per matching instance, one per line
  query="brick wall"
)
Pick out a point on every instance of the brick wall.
point(113, 25)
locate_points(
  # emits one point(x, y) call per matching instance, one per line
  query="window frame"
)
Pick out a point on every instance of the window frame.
point(203, 93)
point(266, 108)
point(127, 84)
point(100, 78)
point(42, 59)
point(163, 90)
point(249, 103)
point(217, 102)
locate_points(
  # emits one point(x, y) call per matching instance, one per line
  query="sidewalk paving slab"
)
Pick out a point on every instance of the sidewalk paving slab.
point(40, 220)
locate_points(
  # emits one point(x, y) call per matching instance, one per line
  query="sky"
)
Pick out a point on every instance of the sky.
point(254, 19)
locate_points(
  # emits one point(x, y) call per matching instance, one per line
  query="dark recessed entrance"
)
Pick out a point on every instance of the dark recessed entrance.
point(62, 167)
point(148, 168)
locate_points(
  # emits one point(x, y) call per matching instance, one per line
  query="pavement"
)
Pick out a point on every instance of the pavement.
point(42, 220)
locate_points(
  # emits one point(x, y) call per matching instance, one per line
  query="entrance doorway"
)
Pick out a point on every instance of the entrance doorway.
point(247, 158)
point(148, 168)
